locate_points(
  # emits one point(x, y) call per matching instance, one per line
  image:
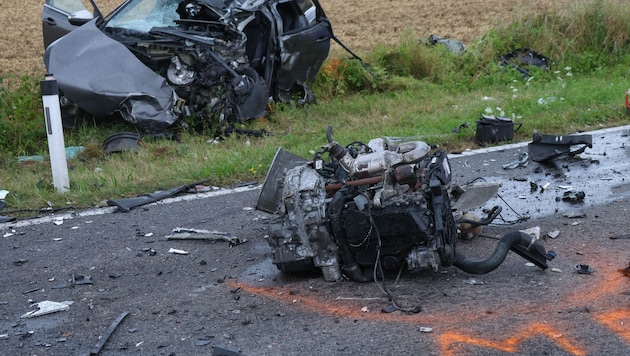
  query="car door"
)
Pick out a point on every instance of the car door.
point(304, 40)
point(62, 16)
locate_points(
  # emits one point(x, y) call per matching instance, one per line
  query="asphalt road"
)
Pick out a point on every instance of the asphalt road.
point(222, 297)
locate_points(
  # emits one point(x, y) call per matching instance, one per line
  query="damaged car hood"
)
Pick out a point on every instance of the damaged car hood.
point(210, 61)
point(96, 77)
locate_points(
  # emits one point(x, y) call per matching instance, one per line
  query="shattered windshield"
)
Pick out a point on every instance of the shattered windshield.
point(143, 15)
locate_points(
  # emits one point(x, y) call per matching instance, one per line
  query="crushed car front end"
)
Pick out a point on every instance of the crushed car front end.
point(223, 61)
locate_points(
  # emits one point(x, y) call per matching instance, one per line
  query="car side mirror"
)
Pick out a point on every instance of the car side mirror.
point(80, 17)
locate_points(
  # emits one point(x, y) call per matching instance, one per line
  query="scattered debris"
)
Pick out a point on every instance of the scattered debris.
point(556, 269)
point(79, 279)
point(522, 59)
point(122, 142)
point(126, 204)
point(47, 307)
point(20, 261)
point(573, 196)
point(455, 46)
point(101, 342)
point(493, 129)
point(180, 233)
point(424, 329)
point(522, 161)
point(177, 252)
point(550, 147)
point(533, 232)
point(618, 237)
point(203, 342)
point(3, 194)
point(473, 281)
point(583, 269)
point(58, 220)
point(223, 351)
point(365, 309)
point(553, 233)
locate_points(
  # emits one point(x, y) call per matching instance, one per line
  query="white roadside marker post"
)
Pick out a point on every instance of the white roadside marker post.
point(54, 131)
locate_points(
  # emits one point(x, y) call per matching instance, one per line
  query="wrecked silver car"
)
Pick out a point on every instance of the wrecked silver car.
point(364, 209)
point(155, 62)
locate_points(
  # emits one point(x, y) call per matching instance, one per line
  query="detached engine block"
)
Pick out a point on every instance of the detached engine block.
point(380, 204)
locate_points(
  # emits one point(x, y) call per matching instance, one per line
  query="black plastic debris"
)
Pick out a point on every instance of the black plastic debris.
point(455, 46)
point(522, 59)
point(493, 129)
point(79, 279)
point(573, 196)
point(99, 346)
point(549, 147)
point(122, 141)
point(224, 351)
point(126, 204)
point(583, 269)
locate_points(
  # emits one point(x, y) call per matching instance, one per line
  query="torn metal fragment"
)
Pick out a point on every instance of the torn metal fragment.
point(108, 333)
point(47, 307)
point(179, 233)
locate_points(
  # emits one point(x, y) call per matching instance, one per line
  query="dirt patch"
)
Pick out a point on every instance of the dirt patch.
point(362, 26)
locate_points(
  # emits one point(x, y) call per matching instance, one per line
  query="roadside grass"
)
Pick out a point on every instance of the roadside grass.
point(409, 90)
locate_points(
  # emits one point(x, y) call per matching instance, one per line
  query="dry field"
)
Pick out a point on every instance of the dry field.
point(361, 25)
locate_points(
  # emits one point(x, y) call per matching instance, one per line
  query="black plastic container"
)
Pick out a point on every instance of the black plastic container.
point(491, 129)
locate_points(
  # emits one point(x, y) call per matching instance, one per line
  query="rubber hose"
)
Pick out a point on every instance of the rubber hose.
point(350, 266)
point(491, 263)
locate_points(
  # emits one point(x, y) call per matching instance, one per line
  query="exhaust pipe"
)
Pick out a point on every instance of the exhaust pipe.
point(523, 244)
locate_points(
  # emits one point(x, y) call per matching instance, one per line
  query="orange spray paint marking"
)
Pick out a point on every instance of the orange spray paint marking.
point(449, 341)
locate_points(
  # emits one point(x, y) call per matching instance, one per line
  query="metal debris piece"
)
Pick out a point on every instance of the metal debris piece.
point(522, 161)
point(533, 232)
point(223, 351)
point(177, 252)
point(424, 329)
point(473, 281)
point(179, 233)
point(618, 237)
point(553, 233)
point(583, 269)
point(202, 342)
point(108, 333)
point(47, 307)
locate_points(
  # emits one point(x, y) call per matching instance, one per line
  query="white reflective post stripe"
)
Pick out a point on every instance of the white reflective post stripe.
point(54, 131)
